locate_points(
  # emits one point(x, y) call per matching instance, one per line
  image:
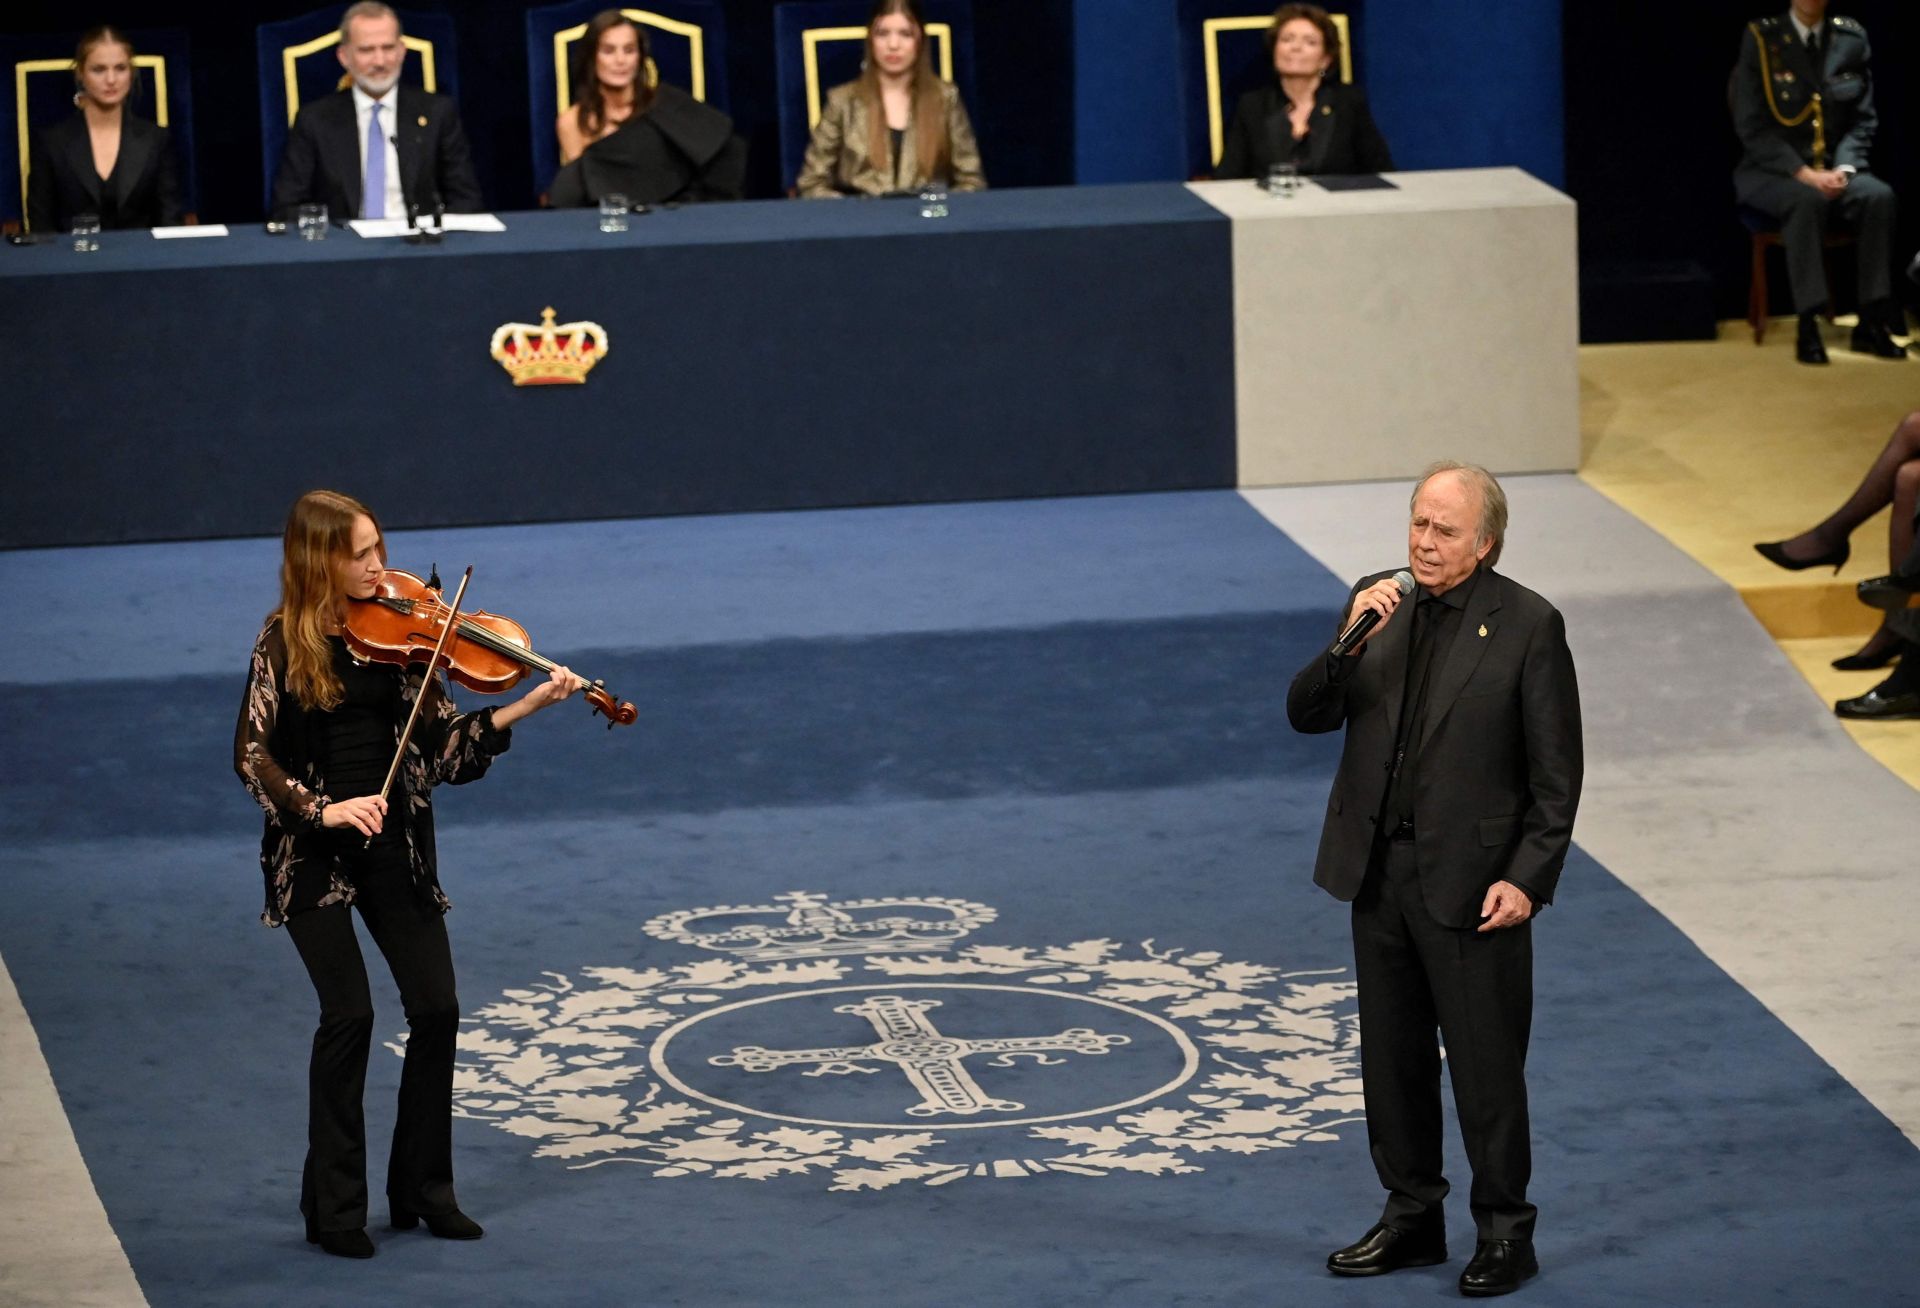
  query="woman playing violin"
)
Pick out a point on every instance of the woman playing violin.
point(317, 733)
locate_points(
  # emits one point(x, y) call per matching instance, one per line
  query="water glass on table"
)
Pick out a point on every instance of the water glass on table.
point(1283, 179)
point(933, 201)
point(613, 213)
point(86, 233)
point(313, 222)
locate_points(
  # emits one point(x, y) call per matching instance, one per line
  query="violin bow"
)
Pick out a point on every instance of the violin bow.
point(426, 684)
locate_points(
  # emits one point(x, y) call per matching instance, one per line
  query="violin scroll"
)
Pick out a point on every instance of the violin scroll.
point(600, 700)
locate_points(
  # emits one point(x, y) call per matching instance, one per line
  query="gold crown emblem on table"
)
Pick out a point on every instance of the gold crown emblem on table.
point(548, 354)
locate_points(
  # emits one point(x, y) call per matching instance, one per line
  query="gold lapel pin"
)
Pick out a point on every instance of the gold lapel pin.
point(1483, 630)
point(422, 120)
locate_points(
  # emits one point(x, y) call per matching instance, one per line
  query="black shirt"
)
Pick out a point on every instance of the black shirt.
point(1436, 620)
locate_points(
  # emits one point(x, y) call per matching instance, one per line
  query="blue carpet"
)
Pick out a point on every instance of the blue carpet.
point(1090, 755)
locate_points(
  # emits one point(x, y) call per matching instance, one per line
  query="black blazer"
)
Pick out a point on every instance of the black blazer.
point(143, 190)
point(1500, 755)
point(321, 164)
point(1342, 139)
point(678, 150)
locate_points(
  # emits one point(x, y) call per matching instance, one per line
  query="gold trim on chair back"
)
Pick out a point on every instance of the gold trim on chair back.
point(1210, 30)
point(155, 64)
point(696, 43)
point(291, 56)
point(812, 37)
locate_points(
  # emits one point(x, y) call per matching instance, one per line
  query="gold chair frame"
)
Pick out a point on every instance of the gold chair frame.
point(813, 37)
point(1210, 31)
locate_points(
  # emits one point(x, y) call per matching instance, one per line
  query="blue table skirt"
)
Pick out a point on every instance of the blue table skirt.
point(762, 356)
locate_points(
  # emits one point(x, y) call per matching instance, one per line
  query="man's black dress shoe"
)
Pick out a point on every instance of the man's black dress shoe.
point(1890, 592)
point(1498, 1267)
point(1875, 707)
point(455, 1225)
point(1809, 349)
point(343, 1244)
point(1872, 338)
point(1387, 1249)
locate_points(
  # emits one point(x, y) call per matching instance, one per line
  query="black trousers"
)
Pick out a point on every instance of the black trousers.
point(412, 936)
point(1416, 976)
point(1866, 208)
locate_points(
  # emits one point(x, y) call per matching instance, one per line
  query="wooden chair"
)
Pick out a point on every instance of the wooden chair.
point(1763, 230)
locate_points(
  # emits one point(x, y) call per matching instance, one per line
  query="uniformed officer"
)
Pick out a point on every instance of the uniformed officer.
point(1803, 106)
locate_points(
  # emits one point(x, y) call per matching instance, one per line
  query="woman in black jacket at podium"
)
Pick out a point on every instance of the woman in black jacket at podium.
point(105, 159)
point(1303, 116)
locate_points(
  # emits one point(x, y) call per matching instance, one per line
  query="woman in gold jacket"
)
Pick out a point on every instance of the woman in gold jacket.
point(896, 128)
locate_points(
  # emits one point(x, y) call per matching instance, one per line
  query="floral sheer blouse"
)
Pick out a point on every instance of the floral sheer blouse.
point(273, 752)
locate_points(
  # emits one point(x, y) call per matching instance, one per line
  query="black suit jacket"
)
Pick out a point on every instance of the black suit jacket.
point(143, 190)
point(321, 164)
point(1500, 758)
point(1343, 138)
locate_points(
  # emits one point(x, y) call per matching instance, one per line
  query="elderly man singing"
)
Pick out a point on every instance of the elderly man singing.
point(1450, 818)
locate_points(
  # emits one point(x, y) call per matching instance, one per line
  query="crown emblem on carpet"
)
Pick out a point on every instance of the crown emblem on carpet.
point(549, 354)
point(802, 924)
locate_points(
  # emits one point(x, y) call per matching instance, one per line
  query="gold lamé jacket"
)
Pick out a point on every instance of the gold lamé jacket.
point(837, 162)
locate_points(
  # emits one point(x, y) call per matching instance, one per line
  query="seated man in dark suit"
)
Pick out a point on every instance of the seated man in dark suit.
point(1802, 98)
point(376, 149)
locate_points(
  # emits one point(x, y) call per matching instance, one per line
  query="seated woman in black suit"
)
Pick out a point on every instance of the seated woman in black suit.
point(625, 135)
point(106, 159)
point(1303, 116)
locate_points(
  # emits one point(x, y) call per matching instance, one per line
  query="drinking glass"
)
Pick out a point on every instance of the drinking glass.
point(86, 233)
point(933, 200)
point(1283, 179)
point(613, 213)
point(313, 222)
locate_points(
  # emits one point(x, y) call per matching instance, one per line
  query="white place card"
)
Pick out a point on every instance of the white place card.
point(186, 233)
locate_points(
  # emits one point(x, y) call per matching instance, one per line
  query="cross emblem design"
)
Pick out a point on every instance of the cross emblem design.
point(933, 1063)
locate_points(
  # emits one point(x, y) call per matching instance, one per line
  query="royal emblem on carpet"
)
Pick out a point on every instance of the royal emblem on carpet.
point(862, 1041)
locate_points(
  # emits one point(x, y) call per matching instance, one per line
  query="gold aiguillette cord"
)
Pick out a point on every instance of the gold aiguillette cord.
point(426, 684)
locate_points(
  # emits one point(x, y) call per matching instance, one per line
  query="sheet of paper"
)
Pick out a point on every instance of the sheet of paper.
point(474, 222)
point(183, 233)
point(374, 227)
point(456, 222)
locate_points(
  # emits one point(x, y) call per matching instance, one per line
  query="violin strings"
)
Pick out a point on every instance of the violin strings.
point(482, 636)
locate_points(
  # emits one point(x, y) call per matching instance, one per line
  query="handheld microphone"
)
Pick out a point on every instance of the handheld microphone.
point(1370, 619)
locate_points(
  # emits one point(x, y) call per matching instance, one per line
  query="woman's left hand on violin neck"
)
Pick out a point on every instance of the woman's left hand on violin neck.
point(564, 683)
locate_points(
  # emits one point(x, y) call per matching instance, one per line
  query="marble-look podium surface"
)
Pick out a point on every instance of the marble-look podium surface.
point(1378, 330)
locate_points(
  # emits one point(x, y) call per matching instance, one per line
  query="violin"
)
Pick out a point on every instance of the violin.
point(404, 620)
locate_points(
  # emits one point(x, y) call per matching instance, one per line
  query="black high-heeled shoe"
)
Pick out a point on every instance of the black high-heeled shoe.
point(341, 1244)
point(455, 1225)
point(1776, 554)
point(1882, 648)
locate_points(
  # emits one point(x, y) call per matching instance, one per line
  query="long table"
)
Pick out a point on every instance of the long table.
point(767, 355)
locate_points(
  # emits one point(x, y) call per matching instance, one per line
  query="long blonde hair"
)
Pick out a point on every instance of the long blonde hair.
point(318, 536)
point(930, 144)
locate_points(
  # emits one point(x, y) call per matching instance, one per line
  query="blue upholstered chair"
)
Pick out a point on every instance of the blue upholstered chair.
point(821, 43)
point(687, 40)
point(41, 69)
point(298, 62)
point(1223, 55)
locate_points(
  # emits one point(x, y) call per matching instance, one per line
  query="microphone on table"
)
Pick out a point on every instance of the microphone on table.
point(1369, 619)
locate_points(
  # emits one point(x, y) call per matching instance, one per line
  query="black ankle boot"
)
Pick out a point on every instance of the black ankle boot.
point(455, 1225)
point(341, 1244)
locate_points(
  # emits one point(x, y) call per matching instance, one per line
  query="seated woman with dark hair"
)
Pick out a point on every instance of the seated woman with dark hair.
point(626, 135)
point(105, 160)
point(1303, 116)
point(896, 128)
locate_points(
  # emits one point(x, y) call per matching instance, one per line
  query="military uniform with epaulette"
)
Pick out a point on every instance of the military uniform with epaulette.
point(1800, 102)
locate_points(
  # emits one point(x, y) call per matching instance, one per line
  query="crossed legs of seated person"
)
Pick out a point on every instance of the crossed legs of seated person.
point(1892, 479)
